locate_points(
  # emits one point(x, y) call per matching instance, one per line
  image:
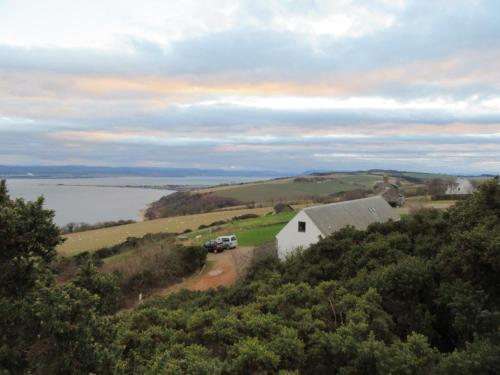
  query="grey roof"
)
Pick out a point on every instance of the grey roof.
point(358, 213)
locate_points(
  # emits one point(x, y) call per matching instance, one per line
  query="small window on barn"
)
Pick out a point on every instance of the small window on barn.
point(302, 226)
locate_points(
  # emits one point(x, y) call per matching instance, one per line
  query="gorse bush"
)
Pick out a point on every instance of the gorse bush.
point(129, 244)
point(150, 263)
point(45, 329)
point(418, 296)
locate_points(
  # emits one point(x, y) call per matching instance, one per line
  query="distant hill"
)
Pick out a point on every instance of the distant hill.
point(395, 173)
point(416, 177)
point(75, 171)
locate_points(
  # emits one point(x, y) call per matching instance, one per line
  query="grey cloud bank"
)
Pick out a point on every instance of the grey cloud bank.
point(418, 91)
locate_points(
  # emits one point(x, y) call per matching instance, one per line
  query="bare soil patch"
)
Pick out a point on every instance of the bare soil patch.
point(223, 269)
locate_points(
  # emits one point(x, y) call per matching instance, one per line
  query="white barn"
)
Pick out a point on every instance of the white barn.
point(459, 187)
point(313, 223)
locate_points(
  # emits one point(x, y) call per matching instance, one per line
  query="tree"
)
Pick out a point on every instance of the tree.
point(103, 286)
point(436, 187)
point(28, 238)
point(185, 360)
point(69, 335)
point(4, 196)
point(251, 356)
point(45, 329)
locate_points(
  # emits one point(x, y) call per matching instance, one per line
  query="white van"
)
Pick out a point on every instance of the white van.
point(229, 242)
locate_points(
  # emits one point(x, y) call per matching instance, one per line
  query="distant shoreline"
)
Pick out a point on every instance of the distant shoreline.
point(155, 187)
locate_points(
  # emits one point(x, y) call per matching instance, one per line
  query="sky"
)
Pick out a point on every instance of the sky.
point(290, 85)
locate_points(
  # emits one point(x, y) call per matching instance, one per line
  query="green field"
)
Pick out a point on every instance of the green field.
point(262, 221)
point(257, 236)
point(289, 190)
point(250, 232)
point(424, 176)
point(366, 180)
point(95, 239)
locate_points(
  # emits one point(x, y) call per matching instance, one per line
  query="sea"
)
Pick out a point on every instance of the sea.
point(99, 199)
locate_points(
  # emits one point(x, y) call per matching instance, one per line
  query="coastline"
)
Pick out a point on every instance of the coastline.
point(172, 188)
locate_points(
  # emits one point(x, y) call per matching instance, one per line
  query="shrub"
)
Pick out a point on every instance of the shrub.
point(82, 227)
point(213, 224)
point(244, 217)
point(185, 203)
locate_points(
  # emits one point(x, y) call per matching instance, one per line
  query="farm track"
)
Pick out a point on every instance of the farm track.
point(223, 270)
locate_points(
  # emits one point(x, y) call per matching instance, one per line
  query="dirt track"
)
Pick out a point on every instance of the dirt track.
point(222, 270)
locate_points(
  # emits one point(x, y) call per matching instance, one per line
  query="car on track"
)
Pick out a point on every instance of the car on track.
point(214, 246)
point(229, 241)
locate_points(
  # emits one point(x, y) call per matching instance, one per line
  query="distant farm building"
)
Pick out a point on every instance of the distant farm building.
point(461, 186)
point(313, 223)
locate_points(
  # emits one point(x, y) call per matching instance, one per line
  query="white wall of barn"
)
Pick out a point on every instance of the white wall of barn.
point(290, 239)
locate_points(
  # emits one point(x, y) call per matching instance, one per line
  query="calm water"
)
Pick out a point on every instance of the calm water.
point(91, 204)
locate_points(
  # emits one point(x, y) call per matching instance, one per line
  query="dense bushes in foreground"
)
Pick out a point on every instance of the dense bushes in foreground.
point(139, 266)
point(419, 296)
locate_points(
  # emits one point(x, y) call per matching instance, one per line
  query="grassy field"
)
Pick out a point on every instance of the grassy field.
point(257, 236)
point(95, 239)
point(254, 232)
point(250, 232)
point(420, 175)
point(263, 220)
point(365, 180)
point(289, 190)
point(428, 176)
point(424, 202)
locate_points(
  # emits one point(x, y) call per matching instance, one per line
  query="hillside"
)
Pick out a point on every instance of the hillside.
point(315, 187)
point(185, 203)
point(175, 208)
point(324, 187)
point(301, 188)
point(418, 296)
point(92, 240)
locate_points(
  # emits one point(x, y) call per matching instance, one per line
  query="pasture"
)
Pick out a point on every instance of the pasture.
point(95, 239)
point(424, 202)
point(257, 236)
point(250, 232)
point(290, 190)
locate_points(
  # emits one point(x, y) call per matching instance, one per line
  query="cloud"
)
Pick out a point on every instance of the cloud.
point(290, 85)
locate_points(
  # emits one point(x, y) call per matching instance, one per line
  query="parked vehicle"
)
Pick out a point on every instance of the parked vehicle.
point(214, 246)
point(229, 242)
